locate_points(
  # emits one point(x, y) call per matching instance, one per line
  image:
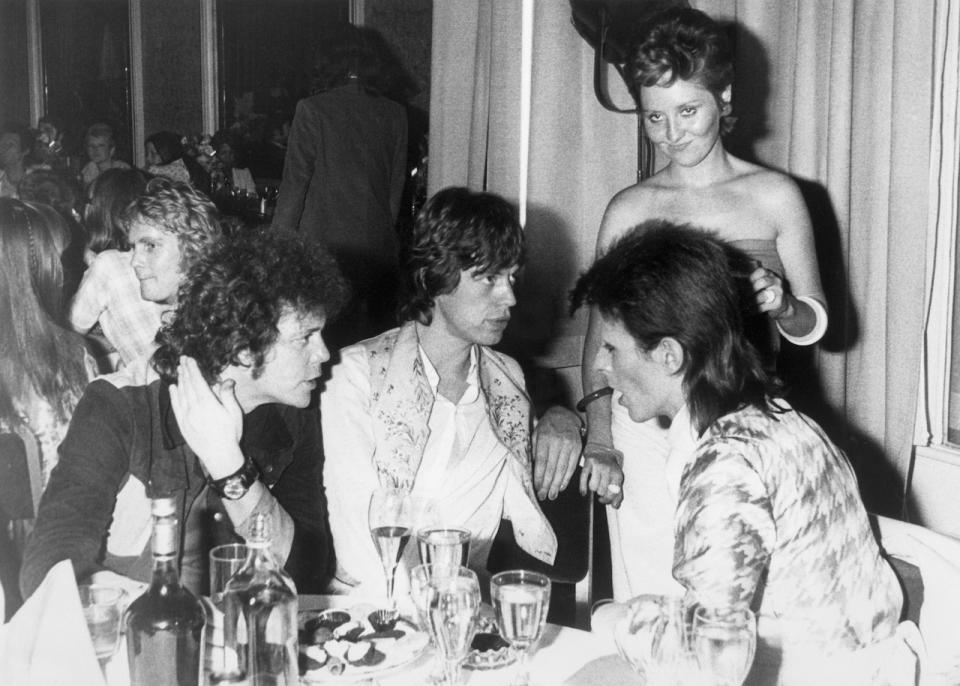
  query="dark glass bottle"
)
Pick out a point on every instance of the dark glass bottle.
point(260, 614)
point(165, 624)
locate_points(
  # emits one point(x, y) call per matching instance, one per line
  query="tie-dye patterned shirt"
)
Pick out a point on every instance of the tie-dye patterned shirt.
point(769, 514)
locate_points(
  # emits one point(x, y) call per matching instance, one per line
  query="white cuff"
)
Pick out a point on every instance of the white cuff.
point(819, 325)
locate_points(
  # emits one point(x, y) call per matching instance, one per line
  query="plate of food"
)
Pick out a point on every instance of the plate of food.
point(341, 646)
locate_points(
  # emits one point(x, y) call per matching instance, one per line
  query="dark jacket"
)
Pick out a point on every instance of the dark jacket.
point(124, 441)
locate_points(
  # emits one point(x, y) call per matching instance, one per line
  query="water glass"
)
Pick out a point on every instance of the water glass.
point(522, 600)
point(220, 659)
point(444, 545)
point(102, 610)
point(652, 636)
point(225, 560)
point(724, 642)
point(452, 601)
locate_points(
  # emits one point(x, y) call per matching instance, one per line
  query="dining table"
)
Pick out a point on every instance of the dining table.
point(563, 656)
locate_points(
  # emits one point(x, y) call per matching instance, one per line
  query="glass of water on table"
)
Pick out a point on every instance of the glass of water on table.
point(444, 545)
point(521, 599)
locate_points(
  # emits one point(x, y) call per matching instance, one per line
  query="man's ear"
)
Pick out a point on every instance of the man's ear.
point(670, 354)
point(245, 358)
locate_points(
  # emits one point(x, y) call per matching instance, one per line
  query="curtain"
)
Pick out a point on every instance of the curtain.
point(848, 98)
point(940, 287)
point(836, 93)
point(579, 153)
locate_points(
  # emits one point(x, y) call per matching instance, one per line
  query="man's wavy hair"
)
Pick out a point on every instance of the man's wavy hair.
point(232, 299)
point(457, 230)
point(177, 208)
point(666, 280)
point(682, 43)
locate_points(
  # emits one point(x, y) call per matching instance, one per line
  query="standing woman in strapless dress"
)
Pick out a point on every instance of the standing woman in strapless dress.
point(681, 70)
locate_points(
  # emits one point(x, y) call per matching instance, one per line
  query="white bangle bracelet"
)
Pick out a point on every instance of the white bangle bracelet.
point(819, 326)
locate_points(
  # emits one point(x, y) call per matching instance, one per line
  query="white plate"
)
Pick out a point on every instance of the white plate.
point(397, 656)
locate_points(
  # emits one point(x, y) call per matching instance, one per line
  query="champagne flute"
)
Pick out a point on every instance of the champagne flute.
point(522, 600)
point(724, 641)
point(444, 545)
point(391, 523)
point(452, 600)
point(102, 610)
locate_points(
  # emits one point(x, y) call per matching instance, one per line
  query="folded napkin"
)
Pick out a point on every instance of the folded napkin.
point(46, 643)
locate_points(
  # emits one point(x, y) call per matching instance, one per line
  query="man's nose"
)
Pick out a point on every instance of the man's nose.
point(320, 352)
point(507, 296)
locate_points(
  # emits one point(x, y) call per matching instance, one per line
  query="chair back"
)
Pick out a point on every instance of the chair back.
point(937, 557)
point(571, 516)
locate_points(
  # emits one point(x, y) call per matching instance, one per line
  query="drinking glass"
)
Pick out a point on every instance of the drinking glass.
point(225, 560)
point(451, 598)
point(521, 599)
point(651, 634)
point(724, 641)
point(102, 610)
point(391, 523)
point(220, 659)
point(444, 545)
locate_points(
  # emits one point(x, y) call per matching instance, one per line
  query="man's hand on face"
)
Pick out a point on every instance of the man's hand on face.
point(556, 451)
point(210, 419)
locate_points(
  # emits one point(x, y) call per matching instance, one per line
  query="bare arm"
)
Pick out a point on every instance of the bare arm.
point(602, 463)
point(795, 244)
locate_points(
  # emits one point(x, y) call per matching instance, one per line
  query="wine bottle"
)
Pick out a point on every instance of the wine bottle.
point(260, 614)
point(164, 625)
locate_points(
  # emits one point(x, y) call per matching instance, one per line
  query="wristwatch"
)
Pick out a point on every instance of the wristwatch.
point(235, 486)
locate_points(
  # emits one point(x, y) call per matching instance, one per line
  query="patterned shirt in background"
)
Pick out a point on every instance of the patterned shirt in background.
point(769, 514)
point(110, 294)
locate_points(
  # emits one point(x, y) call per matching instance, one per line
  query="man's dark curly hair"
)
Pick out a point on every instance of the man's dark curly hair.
point(232, 300)
point(457, 230)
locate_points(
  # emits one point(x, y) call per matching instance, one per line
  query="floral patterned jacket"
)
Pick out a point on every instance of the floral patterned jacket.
point(402, 401)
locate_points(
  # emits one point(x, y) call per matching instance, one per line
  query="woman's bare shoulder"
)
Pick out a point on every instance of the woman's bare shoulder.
point(766, 183)
point(628, 208)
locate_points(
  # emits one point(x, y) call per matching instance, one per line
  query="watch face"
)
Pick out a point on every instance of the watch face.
point(234, 489)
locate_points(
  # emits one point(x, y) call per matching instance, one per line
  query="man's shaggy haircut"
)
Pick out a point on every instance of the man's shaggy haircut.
point(178, 209)
point(457, 230)
point(232, 300)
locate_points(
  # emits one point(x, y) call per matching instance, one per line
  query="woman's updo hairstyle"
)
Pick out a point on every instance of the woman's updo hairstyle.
point(682, 43)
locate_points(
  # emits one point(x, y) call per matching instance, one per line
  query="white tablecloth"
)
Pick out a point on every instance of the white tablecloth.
point(562, 651)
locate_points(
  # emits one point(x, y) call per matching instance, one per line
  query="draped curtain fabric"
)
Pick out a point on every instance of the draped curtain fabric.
point(836, 93)
point(580, 154)
point(848, 115)
point(932, 425)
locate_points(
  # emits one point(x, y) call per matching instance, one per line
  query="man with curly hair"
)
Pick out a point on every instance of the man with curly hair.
point(169, 227)
point(218, 418)
point(432, 408)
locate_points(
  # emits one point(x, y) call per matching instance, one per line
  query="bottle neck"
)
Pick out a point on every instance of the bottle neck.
point(164, 547)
